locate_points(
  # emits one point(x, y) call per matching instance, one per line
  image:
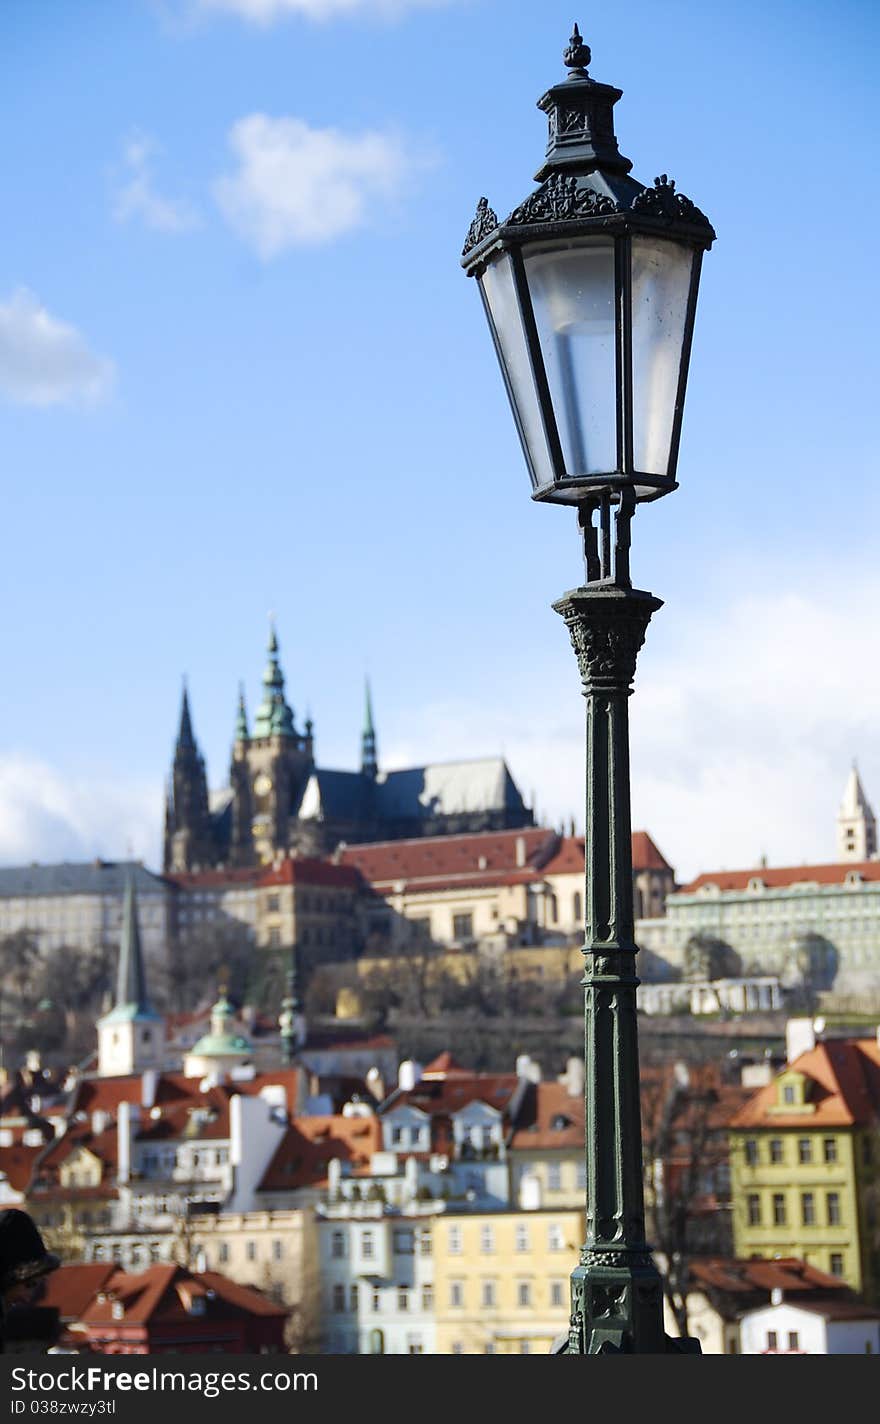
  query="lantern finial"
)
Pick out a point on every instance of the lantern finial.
point(576, 55)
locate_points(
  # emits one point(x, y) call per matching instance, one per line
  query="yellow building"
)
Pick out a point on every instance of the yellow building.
point(501, 1280)
point(805, 1163)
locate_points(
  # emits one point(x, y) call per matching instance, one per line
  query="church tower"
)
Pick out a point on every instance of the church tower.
point(856, 826)
point(131, 1037)
point(270, 767)
point(189, 841)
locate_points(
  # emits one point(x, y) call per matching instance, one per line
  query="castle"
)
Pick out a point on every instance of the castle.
point(280, 802)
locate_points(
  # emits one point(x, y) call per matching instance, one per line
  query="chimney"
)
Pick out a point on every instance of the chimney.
point(800, 1037)
point(126, 1127)
point(776, 1295)
point(526, 1067)
point(520, 850)
point(408, 1074)
point(149, 1086)
point(574, 1077)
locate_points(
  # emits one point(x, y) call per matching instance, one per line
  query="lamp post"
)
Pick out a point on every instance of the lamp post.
point(590, 290)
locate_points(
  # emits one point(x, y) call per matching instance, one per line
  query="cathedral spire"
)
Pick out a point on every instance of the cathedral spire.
point(274, 717)
point(241, 722)
point(369, 763)
point(185, 739)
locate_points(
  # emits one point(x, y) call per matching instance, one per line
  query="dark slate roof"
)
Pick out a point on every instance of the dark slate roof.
point(96, 877)
point(417, 793)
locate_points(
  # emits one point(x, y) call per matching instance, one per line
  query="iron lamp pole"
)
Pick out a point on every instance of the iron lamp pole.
point(590, 290)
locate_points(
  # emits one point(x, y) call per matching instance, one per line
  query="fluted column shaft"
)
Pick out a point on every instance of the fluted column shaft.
point(617, 1302)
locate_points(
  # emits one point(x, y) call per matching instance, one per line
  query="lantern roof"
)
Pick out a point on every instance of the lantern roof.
point(584, 178)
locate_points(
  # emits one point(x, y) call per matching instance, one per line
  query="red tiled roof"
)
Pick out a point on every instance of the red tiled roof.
point(782, 876)
point(483, 859)
point(303, 870)
point(738, 1276)
point(845, 1088)
point(443, 1093)
point(70, 1289)
point(430, 858)
point(162, 1293)
point(17, 1164)
point(310, 1143)
point(544, 1105)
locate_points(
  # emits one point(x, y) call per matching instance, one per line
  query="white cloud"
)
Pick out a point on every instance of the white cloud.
point(298, 186)
point(44, 361)
point(744, 723)
point(266, 12)
point(138, 198)
point(47, 816)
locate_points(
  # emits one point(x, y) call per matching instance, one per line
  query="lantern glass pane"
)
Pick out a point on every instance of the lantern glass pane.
point(661, 276)
point(500, 292)
point(572, 290)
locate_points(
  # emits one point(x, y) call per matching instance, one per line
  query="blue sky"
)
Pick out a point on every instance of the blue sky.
point(241, 370)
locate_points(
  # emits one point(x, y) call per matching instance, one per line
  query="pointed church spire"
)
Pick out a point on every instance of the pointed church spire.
point(131, 982)
point(241, 722)
point(856, 825)
point(185, 739)
point(369, 762)
point(274, 717)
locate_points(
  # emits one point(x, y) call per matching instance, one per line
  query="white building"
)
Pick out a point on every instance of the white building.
point(80, 906)
point(834, 1327)
point(377, 1278)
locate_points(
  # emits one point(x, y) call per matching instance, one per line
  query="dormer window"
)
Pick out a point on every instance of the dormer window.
point(756, 883)
point(792, 1094)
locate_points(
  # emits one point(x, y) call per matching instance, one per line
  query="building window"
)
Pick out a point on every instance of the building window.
point(415, 1347)
point(829, 1149)
point(456, 1294)
point(367, 1245)
point(427, 1297)
point(273, 903)
point(581, 1178)
point(377, 1300)
point(487, 1240)
point(338, 1298)
point(805, 1151)
point(403, 1298)
point(489, 1349)
point(554, 1177)
point(557, 1293)
point(454, 1240)
point(397, 1135)
point(753, 1203)
point(462, 926)
point(555, 1237)
point(353, 1296)
point(778, 1209)
point(789, 1096)
point(337, 1245)
point(457, 1347)
point(487, 1295)
point(808, 1209)
point(833, 1202)
point(751, 1152)
point(250, 1250)
point(835, 1263)
point(523, 1293)
point(404, 1243)
point(524, 1347)
point(576, 906)
point(776, 1152)
point(425, 1242)
point(521, 1242)
point(223, 1252)
point(793, 1340)
point(277, 1250)
point(771, 1340)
